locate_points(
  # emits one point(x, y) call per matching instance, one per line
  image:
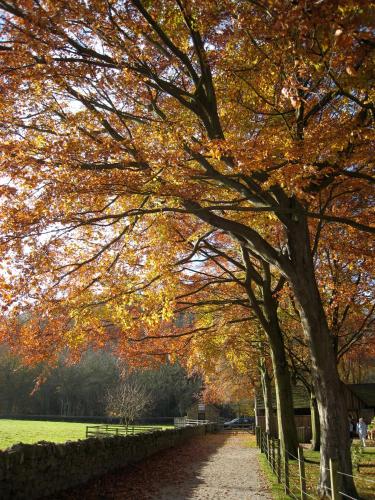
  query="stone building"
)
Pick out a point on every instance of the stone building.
point(203, 411)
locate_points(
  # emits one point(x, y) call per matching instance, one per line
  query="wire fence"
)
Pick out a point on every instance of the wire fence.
point(296, 474)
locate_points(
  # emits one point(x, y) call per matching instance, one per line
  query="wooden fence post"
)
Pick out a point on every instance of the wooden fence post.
point(333, 475)
point(271, 452)
point(268, 447)
point(302, 475)
point(278, 461)
point(257, 436)
point(273, 455)
point(286, 472)
point(266, 444)
point(263, 442)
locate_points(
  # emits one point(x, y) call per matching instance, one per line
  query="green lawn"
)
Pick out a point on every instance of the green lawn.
point(31, 431)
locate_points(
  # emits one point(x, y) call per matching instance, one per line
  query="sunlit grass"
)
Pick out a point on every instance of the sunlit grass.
point(363, 477)
point(32, 431)
point(277, 489)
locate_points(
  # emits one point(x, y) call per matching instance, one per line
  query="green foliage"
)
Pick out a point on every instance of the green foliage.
point(173, 392)
point(16, 383)
point(80, 389)
point(372, 424)
point(357, 453)
point(69, 389)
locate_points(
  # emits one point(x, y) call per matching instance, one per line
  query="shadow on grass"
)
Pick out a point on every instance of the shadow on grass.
point(364, 479)
point(167, 470)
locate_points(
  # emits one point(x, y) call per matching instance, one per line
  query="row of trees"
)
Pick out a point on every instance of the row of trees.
point(172, 156)
point(268, 339)
point(86, 388)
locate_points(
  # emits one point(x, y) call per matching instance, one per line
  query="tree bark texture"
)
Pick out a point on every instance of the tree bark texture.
point(267, 314)
point(267, 398)
point(284, 397)
point(315, 423)
point(335, 442)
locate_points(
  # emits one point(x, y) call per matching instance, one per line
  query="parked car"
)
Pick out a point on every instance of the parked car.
point(240, 422)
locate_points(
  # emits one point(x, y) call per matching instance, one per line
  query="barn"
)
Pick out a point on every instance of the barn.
point(360, 400)
point(203, 411)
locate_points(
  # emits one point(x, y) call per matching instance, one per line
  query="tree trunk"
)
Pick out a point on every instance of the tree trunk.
point(284, 402)
point(315, 423)
point(267, 398)
point(298, 267)
point(284, 397)
point(335, 442)
point(268, 318)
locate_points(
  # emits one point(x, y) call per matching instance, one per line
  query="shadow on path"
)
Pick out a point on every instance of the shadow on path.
point(176, 470)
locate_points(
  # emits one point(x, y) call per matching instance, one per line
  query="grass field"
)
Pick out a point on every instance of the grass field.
point(31, 431)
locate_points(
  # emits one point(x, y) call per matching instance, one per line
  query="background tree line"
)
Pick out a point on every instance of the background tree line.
point(81, 389)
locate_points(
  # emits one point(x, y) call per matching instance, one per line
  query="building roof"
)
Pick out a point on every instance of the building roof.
point(203, 406)
point(365, 392)
point(301, 397)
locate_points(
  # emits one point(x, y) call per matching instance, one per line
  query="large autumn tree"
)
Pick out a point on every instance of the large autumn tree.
point(120, 119)
point(233, 286)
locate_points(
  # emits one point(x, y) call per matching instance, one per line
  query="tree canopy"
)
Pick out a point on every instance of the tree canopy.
point(132, 131)
point(120, 121)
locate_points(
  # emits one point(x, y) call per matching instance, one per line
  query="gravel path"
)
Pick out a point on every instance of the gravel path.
point(212, 467)
point(231, 473)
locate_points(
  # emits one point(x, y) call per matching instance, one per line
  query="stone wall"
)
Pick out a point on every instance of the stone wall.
point(31, 471)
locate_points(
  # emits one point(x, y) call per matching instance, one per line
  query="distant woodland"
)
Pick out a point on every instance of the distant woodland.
point(81, 389)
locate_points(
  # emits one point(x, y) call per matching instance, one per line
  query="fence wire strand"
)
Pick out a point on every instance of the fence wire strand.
point(354, 477)
point(347, 496)
point(279, 465)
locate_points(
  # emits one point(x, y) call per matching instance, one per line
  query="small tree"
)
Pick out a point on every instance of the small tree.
point(127, 401)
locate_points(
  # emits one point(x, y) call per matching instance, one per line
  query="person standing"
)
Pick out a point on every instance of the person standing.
point(351, 427)
point(362, 431)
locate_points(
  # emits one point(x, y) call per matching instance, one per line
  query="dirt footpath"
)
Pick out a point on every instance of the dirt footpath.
point(231, 473)
point(213, 467)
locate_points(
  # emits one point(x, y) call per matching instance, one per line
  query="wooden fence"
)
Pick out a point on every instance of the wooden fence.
point(186, 422)
point(119, 430)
